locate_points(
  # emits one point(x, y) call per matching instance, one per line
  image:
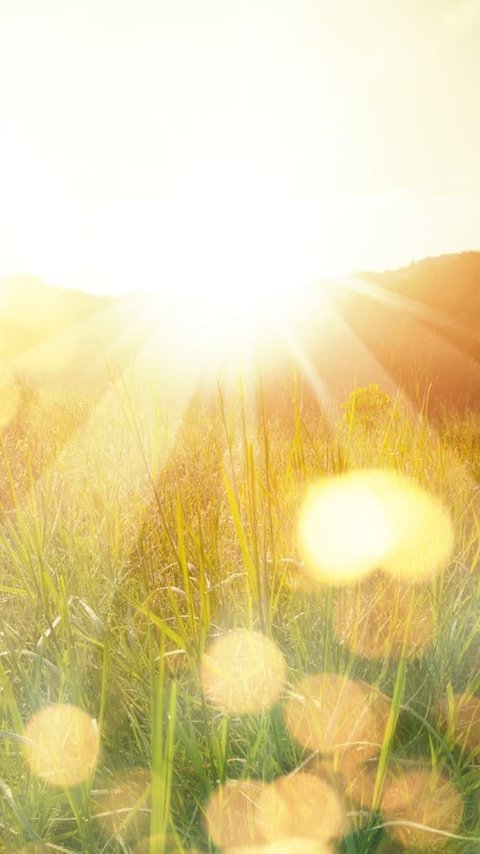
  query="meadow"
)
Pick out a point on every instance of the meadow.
point(129, 544)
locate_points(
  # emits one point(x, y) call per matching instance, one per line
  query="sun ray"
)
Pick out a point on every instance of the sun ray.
point(451, 331)
point(84, 351)
point(118, 452)
point(438, 338)
point(318, 340)
point(314, 380)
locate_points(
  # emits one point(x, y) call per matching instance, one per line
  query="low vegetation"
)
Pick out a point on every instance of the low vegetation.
point(127, 546)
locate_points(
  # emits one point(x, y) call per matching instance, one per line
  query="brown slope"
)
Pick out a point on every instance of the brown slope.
point(32, 311)
point(422, 323)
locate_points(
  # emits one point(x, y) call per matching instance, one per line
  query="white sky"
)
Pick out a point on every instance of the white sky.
point(143, 144)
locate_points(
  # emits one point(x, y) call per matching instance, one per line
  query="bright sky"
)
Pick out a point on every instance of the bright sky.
point(143, 144)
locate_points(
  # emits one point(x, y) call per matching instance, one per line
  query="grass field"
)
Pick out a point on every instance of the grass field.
point(129, 542)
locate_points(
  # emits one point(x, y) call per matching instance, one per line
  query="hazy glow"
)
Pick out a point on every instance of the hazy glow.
point(242, 672)
point(226, 324)
point(355, 523)
point(301, 804)
point(62, 745)
point(382, 617)
point(426, 798)
point(243, 130)
point(333, 714)
point(50, 356)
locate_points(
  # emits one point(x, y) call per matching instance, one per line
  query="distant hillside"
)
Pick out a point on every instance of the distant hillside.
point(422, 324)
point(448, 284)
point(417, 329)
point(32, 311)
point(60, 336)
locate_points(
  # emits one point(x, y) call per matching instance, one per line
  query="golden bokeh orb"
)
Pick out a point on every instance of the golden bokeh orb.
point(332, 714)
point(242, 672)
point(429, 805)
point(354, 780)
point(382, 617)
point(230, 814)
point(352, 524)
point(343, 528)
point(61, 745)
point(358, 780)
point(423, 535)
point(301, 805)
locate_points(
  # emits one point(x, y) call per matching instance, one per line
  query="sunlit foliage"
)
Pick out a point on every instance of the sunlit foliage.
point(235, 686)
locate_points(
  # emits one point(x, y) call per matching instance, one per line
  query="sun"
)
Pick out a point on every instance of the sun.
point(233, 275)
point(228, 316)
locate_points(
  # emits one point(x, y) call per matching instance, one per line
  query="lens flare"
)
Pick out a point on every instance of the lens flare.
point(428, 800)
point(381, 617)
point(333, 714)
point(461, 719)
point(62, 745)
point(343, 528)
point(242, 672)
point(124, 809)
point(230, 814)
point(301, 804)
point(423, 536)
point(371, 519)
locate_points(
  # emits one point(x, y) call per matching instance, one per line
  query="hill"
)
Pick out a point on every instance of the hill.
point(56, 335)
point(32, 311)
point(416, 328)
point(448, 284)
